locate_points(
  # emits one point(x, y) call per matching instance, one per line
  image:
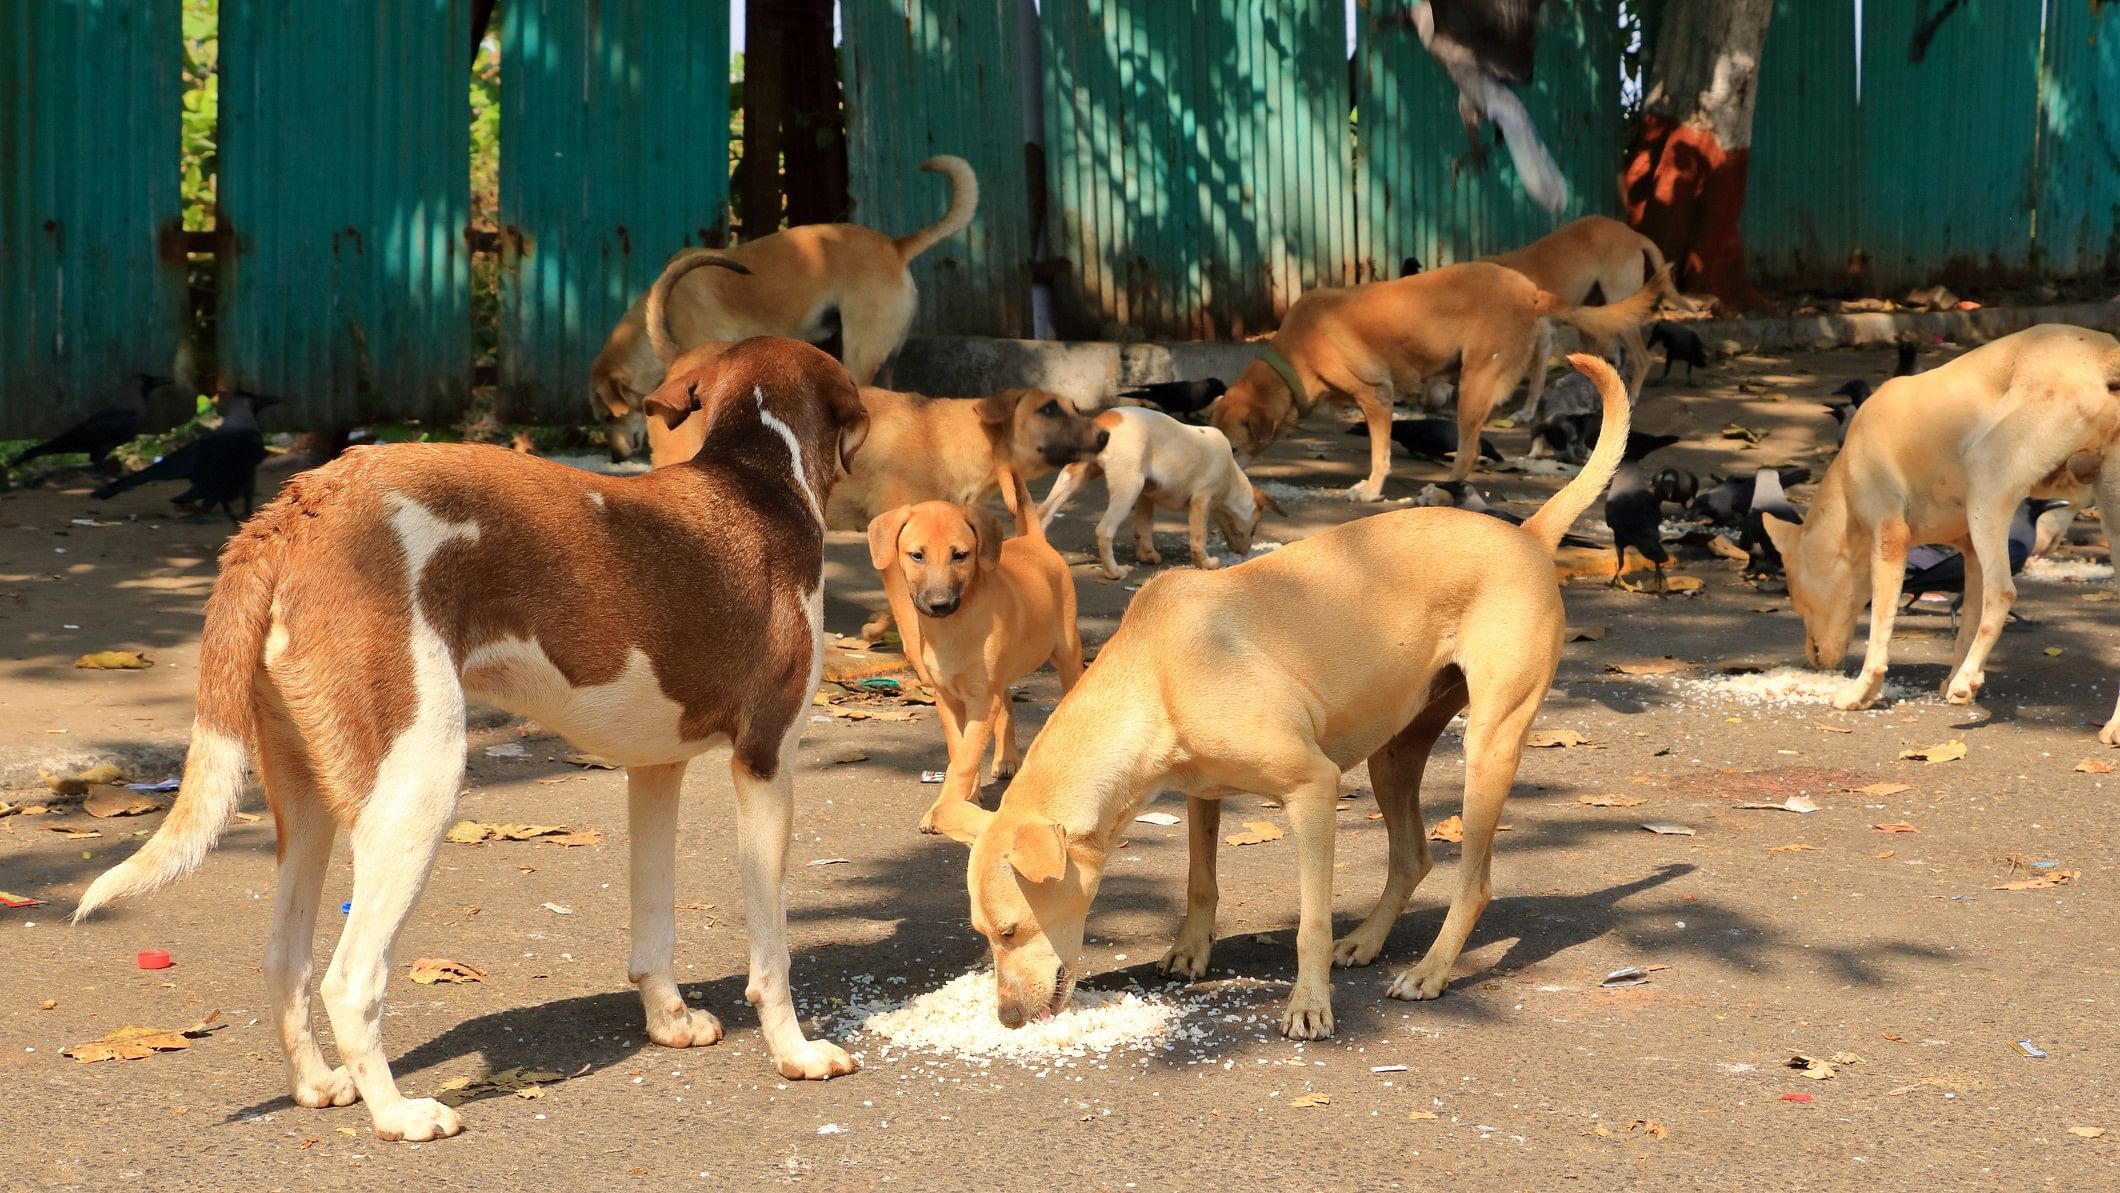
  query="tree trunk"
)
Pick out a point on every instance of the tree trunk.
point(1684, 180)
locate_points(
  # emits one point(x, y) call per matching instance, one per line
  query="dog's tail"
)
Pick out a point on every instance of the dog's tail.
point(1028, 523)
point(1562, 509)
point(1653, 265)
point(238, 617)
point(1602, 324)
point(964, 200)
point(667, 349)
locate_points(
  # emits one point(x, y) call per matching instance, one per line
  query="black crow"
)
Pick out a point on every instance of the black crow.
point(1767, 498)
point(1908, 365)
point(1855, 390)
point(1676, 486)
point(1179, 397)
point(1488, 48)
point(1409, 267)
point(221, 465)
point(1429, 438)
point(102, 432)
point(1680, 343)
point(1723, 503)
point(1636, 518)
point(1937, 569)
point(1465, 497)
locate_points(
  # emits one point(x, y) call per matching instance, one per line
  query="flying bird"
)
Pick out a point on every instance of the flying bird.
point(1488, 48)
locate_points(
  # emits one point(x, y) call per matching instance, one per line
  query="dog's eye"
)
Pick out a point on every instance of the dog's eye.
point(1050, 410)
point(959, 555)
point(917, 556)
point(1007, 932)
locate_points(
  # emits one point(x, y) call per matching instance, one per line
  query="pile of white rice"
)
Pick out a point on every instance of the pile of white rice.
point(960, 1020)
point(2047, 570)
point(1782, 685)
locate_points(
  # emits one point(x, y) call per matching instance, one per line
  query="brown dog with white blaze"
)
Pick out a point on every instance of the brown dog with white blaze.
point(646, 618)
point(1946, 456)
point(978, 612)
point(1371, 343)
point(1359, 643)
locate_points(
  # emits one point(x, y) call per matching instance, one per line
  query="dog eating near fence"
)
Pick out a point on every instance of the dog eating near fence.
point(355, 615)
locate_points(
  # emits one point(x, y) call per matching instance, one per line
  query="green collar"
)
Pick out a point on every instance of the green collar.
point(1279, 364)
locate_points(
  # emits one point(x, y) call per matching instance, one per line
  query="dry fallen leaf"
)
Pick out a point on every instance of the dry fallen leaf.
point(1897, 826)
point(594, 761)
point(49, 1004)
point(1258, 832)
point(1881, 790)
point(1586, 633)
point(78, 783)
point(248, 817)
point(1452, 829)
point(1835, 728)
point(587, 836)
point(2051, 878)
point(1420, 1116)
point(471, 832)
point(2053, 652)
point(2087, 1132)
point(1811, 1066)
point(113, 660)
point(74, 834)
point(1545, 739)
point(2095, 766)
point(1650, 1127)
point(1648, 666)
point(1665, 828)
point(1882, 854)
point(107, 802)
point(1610, 801)
point(1308, 1100)
point(523, 1083)
point(1947, 751)
point(1793, 848)
point(134, 1042)
point(429, 970)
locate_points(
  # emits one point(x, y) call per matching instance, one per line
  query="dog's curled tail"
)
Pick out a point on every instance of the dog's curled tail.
point(238, 617)
point(1562, 509)
point(1653, 261)
point(1602, 324)
point(964, 200)
point(667, 349)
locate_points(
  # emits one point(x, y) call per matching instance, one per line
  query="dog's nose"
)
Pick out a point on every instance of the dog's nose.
point(939, 606)
point(1011, 1015)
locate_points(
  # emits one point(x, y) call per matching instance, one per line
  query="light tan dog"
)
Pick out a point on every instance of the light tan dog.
point(1371, 343)
point(810, 283)
point(355, 615)
point(1592, 255)
point(1358, 643)
point(1152, 460)
point(1946, 456)
point(977, 613)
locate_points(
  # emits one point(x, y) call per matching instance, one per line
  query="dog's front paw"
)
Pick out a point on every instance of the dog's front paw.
point(1420, 982)
point(334, 1088)
point(1366, 492)
point(416, 1120)
point(1188, 955)
point(2110, 735)
point(1206, 563)
point(815, 1060)
point(685, 1027)
point(1961, 689)
point(1147, 556)
point(1117, 572)
point(1309, 1014)
point(1855, 694)
point(1359, 947)
point(1004, 768)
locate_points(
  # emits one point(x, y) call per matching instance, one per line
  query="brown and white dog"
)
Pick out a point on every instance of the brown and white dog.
point(1370, 343)
point(1361, 642)
point(810, 283)
point(1152, 460)
point(355, 615)
point(977, 613)
point(1592, 255)
point(1946, 456)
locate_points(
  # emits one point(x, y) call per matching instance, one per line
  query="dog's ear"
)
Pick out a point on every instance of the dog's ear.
point(1037, 850)
point(962, 821)
point(1263, 500)
point(611, 392)
point(1785, 535)
point(674, 400)
point(997, 410)
point(986, 529)
point(884, 530)
point(852, 418)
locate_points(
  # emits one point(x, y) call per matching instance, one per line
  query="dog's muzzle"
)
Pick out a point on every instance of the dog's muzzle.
point(939, 604)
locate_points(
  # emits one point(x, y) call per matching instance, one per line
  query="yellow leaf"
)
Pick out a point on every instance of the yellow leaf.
point(79, 782)
point(49, 1004)
point(134, 1042)
point(2051, 878)
point(1308, 1100)
point(2087, 1132)
point(113, 660)
point(1546, 739)
point(2094, 766)
point(1452, 829)
point(1793, 849)
point(349, 1132)
point(587, 836)
point(1421, 1116)
point(1258, 832)
point(1811, 1067)
point(429, 970)
point(1897, 826)
point(466, 832)
point(1948, 751)
point(2053, 652)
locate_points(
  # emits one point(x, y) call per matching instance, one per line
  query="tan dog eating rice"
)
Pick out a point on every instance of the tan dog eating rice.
point(1359, 643)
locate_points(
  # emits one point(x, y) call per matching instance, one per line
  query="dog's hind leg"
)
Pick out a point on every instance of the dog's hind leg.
point(306, 833)
point(1188, 954)
point(1375, 405)
point(1119, 506)
point(1064, 486)
point(1311, 808)
point(1505, 690)
point(1486, 381)
point(1395, 774)
point(1196, 533)
point(651, 823)
point(765, 807)
point(1637, 362)
point(1007, 754)
point(1145, 551)
point(1888, 568)
point(1966, 613)
point(1988, 527)
point(1535, 379)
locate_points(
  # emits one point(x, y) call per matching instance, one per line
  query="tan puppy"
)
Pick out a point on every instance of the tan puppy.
point(1361, 642)
point(806, 283)
point(1154, 460)
point(977, 614)
point(355, 616)
point(1946, 456)
point(1594, 254)
point(1371, 343)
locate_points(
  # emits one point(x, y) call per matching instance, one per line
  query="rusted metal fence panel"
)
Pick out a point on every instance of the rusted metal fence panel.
point(344, 193)
point(614, 155)
point(1414, 197)
point(2078, 229)
point(924, 77)
point(92, 285)
point(1198, 158)
point(1804, 187)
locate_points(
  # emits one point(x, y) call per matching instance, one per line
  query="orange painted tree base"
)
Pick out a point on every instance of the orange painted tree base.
point(1684, 191)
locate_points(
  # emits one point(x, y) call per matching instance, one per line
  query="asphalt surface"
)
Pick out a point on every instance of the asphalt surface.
point(1893, 951)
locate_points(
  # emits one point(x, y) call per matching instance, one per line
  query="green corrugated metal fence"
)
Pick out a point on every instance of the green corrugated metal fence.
point(1803, 186)
point(92, 285)
point(2078, 231)
point(1410, 199)
point(924, 77)
point(344, 192)
point(614, 154)
point(1197, 153)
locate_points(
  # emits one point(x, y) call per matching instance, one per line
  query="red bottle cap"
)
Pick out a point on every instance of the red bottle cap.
point(154, 959)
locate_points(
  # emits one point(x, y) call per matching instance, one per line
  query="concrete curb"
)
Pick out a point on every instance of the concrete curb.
point(1088, 371)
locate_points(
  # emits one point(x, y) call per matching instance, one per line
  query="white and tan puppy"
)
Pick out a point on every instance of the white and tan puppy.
point(355, 615)
point(1946, 456)
point(1358, 643)
point(810, 282)
point(1150, 460)
point(978, 612)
